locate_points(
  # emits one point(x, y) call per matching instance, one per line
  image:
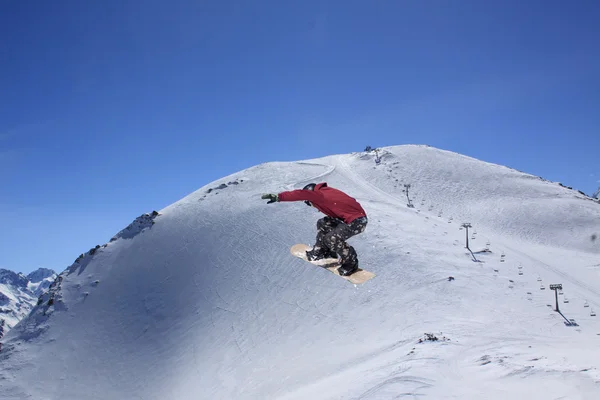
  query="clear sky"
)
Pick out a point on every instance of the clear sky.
point(109, 109)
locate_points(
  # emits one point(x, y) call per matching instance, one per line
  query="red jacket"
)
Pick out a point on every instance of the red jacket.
point(329, 201)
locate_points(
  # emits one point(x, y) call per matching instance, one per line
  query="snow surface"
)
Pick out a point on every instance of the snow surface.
point(206, 302)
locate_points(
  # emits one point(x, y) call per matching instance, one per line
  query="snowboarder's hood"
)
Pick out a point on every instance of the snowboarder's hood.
point(318, 186)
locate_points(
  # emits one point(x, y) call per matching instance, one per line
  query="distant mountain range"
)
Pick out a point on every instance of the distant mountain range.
point(19, 293)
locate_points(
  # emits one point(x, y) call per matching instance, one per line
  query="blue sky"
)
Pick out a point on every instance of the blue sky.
point(115, 108)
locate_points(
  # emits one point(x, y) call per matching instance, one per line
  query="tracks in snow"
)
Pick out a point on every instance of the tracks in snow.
point(330, 169)
point(386, 197)
point(369, 187)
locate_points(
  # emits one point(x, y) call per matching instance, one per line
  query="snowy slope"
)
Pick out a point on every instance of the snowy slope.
point(204, 301)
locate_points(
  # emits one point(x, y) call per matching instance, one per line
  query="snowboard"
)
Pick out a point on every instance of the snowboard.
point(331, 264)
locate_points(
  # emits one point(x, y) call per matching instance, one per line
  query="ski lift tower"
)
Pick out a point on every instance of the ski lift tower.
point(556, 288)
point(406, 187)
point(467, 225)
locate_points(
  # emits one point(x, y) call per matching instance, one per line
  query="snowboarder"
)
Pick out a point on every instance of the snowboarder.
point(344, 218)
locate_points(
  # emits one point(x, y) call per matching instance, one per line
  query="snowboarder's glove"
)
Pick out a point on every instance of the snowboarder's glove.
point(272, 198)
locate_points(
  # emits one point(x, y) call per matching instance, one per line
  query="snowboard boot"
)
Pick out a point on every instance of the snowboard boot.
point(319, 253)
point(347, 269)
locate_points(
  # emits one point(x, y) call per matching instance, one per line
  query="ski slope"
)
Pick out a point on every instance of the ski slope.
point(204, 300)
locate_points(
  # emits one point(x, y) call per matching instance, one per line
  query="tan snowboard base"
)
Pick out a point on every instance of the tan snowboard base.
point(331, 264)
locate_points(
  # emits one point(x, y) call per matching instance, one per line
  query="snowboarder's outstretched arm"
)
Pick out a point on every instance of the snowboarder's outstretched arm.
point(301, 195)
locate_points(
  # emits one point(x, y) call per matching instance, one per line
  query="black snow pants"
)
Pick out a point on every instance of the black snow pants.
point(333, 233)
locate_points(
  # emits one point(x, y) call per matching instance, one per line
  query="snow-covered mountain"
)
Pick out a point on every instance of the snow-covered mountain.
point(19, 293)
point(204, 301)
point(40, 280)
point(596, 195)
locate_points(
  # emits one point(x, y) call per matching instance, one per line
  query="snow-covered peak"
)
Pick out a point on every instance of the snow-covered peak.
point(204, 299)
point(596, 195)
point(12, 278)
point(40, 280)
point(40, 274)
